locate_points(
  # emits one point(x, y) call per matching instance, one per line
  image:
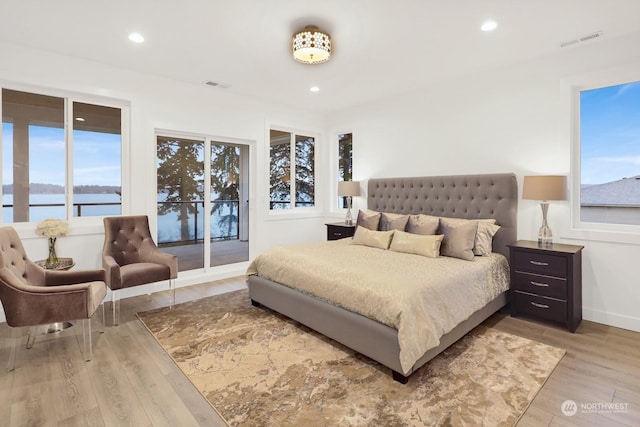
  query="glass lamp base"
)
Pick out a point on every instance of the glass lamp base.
point(545, 238)
point(348, 219)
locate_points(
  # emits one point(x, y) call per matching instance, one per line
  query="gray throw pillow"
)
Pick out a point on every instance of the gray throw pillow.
point(458, 239)
point(422, 224)
point(391, 221)
point(368, 219)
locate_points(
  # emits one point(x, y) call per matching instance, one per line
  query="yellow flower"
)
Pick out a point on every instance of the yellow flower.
point(52, 228)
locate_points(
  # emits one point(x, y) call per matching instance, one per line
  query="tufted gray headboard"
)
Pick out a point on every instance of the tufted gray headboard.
point(455, 196)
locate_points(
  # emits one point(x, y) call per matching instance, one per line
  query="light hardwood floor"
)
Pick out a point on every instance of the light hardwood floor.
point(132, 382)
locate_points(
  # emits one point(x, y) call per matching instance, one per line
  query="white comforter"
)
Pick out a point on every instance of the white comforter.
point(423, 298)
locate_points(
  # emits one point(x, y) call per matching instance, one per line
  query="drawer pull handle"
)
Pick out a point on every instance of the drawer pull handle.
point(535, 304)
point(539, 263)
point(542, 285)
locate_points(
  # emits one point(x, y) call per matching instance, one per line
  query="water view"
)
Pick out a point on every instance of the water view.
point(224, 224)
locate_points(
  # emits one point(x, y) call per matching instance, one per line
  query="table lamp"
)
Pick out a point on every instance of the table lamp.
point(545, 188)
point(348, 189)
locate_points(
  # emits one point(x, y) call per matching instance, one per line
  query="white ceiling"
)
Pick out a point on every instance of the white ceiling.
point(381, 47)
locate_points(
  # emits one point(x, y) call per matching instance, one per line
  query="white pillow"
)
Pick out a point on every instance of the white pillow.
point(419, 244)
point(484, 238)
point(375, 239)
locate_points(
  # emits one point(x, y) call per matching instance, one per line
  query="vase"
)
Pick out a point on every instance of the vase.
point(53, 258)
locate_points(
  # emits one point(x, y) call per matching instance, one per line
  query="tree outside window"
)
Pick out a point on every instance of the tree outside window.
point(345, 162)
point(291, 155)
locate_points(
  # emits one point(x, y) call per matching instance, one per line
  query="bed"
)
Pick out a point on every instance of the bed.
point(459, 196)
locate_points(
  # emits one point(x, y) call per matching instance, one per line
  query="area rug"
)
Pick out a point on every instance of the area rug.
point(258, 368)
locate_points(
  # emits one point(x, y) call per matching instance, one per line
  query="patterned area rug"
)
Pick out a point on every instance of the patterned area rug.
point(258, 368)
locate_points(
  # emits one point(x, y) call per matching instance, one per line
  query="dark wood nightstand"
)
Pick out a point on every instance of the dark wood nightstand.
point(339, 230)
point(546, 282)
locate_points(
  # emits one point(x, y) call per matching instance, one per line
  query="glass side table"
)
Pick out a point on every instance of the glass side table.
point(62, 264)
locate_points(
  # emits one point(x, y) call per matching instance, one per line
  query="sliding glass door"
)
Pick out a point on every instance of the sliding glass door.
point(202, 190)
point(229, 237)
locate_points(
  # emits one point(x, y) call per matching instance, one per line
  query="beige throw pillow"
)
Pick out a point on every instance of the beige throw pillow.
point(458, 239)
point(392, 221)
point(375, 239)
point(425, 245)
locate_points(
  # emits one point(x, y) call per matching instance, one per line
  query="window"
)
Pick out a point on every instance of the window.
point(345, 162)
point(610, 155)
point(54, 167)
point(292, 170)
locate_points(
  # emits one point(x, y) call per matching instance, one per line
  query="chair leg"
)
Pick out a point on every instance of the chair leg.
point(115, 302)
point(16, 334)
point(172, 293)
point(31, 336)
point(87, 343)
point(101, 323)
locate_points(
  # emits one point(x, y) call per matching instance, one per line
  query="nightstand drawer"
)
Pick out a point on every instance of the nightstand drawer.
point(339, 230)
point(541, 285)
point(541, 263)
point(541, 307)
point(338, 234)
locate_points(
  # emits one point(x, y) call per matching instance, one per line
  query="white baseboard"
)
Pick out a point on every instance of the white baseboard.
point(611, 319)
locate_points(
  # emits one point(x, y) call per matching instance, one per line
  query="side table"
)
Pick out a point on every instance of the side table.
point(546, 282)
point(62, 264)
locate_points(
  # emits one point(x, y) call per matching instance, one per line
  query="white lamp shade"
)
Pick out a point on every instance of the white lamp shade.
point(348, 188)
point(545, 187)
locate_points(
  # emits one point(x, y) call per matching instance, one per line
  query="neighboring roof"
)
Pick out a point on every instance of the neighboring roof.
point(624, 192)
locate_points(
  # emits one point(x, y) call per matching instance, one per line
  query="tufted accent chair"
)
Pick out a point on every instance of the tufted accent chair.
point(33, 296)
point(131, 258)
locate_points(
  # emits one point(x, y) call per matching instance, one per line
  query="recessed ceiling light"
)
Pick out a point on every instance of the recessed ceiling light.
point(136, 37)
point(489, 25)
point(314, 89)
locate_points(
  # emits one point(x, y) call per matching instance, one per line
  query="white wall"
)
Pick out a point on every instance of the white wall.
point(509, 120)
point(514, 119)
point(158, 103)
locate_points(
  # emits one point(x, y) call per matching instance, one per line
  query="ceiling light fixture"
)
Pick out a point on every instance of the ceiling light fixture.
point(314, 89)
point(311, 46)
point(489, 25)
point(136, 37)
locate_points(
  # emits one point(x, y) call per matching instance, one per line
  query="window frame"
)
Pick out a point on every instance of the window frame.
point(294, 211)
point(589, 231)
point(82, 224)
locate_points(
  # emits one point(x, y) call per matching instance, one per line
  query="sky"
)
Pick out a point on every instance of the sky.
point(610, 133)
point(96, 156)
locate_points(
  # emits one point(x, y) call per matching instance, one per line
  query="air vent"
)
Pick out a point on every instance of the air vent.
point(582, 39)
point(591, 36)
point(217, 84)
